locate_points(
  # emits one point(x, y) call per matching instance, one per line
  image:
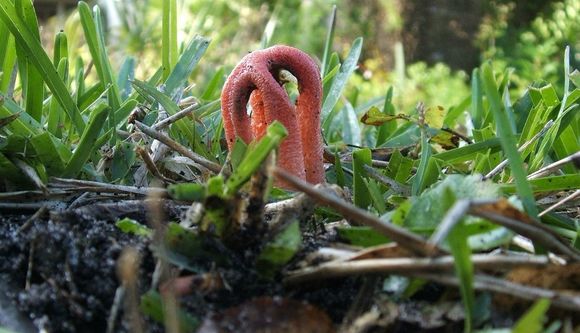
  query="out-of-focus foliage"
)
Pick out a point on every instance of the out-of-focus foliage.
point(534, 49)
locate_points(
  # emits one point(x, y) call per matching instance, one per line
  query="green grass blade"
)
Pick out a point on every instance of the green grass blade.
point(549, 184)
point(388, 128)
point(328, 43)
point(24, 125)
point(468, 152)
point(457, 240)
point(416, 186)
point(56, 116)
point(7, 57)
point(87, 143)
point(60, 48)
point(185, 65)
point(508, 141)
point(361, 194)
point(255, 156)
point(38, 57)
point(126, 75)
point(340, 80)
point(212, 89)
point(48, 154)
point(476, 100)
point(34, 91)
point(169, 37)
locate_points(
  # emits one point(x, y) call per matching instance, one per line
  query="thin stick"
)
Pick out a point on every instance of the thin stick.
point(554, 166)
point(404, 238)
point(39, 213)
point(151, 165)
point(87, 185)
point(211, 166)
point(531, 230)
point(560, 203)
point(395, 185)
point(453, 215)
point(406, 265)
point(170, 120)
point(490, 283)
point(526, 144)
point(31, 174)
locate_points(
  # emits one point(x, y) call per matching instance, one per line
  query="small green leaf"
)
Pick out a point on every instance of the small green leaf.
point(123, 159)
point(187, 192)
point(278, 252)
point(255, 156)
point(340, 80)
point(457, 240)
point(361, 236)
point(87, 144)
point(533, 320)
point(152, 305)
point(130, 226)
point(360, 158)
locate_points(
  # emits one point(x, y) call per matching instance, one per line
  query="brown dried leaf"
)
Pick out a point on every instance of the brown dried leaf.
point(269, 314)
point(376, 118)
point(555, 277)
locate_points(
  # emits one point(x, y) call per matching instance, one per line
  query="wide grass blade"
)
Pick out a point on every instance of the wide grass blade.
point(340, 80)
point(360, 158)
point(31, 77)
point(255, 156)
point(508, 141)
point(190, 57)
point(87, 143)
point(328, 44)
point(95, 35)
point(457, 240)
point(169, 38)
point(38, 57)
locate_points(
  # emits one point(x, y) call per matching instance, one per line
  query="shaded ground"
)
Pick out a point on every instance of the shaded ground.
point(60, 274)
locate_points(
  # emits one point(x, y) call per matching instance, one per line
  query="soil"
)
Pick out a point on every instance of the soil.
point(58, 273)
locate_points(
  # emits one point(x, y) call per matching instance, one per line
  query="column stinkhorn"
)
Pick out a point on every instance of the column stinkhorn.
point(256, 79)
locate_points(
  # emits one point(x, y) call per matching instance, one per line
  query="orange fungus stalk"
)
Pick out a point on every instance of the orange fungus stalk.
point(256, 79)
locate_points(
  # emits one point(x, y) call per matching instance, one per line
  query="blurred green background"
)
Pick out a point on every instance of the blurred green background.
point(413, 45)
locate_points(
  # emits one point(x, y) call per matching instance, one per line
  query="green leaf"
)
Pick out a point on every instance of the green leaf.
point(420, 181)
point(508, 141)
point(469, 152)
point(130, 226)
point(185, 65)
point(328, 43)
point(169, 36)
point(212, 89)
point(254, 157)
point(32, 79)
point(24, 125)
point(426, 211)
point(56, 115)
point(548, 184)
point(187, 191)
point(124, 157)
point(387, 129)
point(38, 57)
point(340, 80)
point(152, 305)
point(457, 240)
point(279, 252)
point(533, 320)
point(191, 250)
point(94, 23)
point(361, 236)
point(361, 195)
point(48, 154)
point(87, 143)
